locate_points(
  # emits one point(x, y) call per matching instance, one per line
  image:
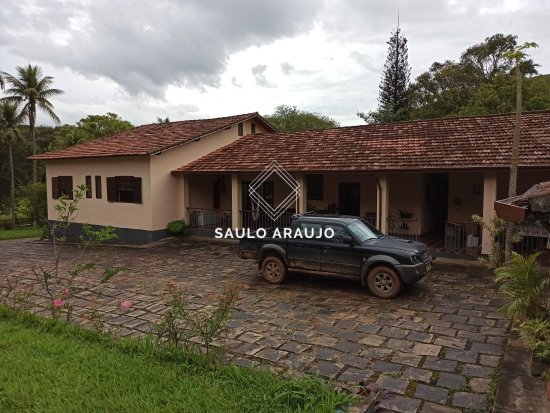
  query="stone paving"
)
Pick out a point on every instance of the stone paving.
point(435, 347)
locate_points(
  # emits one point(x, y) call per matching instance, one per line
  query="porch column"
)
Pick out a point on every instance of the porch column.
point(489, 198)
point(236, 201)
point(183, 197)
point(301, 206)
point(382, 207)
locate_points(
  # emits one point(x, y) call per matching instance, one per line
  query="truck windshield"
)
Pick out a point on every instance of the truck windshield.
point(362, 232)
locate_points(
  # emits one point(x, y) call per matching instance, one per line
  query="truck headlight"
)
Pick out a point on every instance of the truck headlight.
point(415, 259)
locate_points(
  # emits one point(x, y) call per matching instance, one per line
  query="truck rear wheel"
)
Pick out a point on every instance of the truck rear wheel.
point(384, 282)
point(273, 270)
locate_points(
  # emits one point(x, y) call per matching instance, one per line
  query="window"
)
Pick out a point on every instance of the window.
point(240, 129)
point(315, 187)
point(88, 186)
point(124, 189)
point(339, 233)
point(253, 128)
point(311, 231)
point(62, 185)
point(98, 187)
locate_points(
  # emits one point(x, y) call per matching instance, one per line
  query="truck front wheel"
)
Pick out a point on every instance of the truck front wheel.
point(273, 270)
point(383, 282)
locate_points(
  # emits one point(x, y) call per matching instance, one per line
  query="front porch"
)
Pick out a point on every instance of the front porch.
point(434, 208)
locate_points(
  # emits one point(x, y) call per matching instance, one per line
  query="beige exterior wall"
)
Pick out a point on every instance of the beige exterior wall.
point(331, 191)
point(463, 202)
point(100, 211)
point(160, 189)
point(465, 195)
point(165, 185)
point(406, 194)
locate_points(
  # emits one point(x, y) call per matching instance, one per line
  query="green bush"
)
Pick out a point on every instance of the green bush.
point(7, 225)
point(176, 227)
point(536, 334)
point(524, 286)
point(33, 202)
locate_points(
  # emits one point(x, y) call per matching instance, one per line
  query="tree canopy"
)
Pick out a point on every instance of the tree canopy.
point(393, 97)
point(89, 128)
point(32, 90)
point(291, 119)
point(480, 82)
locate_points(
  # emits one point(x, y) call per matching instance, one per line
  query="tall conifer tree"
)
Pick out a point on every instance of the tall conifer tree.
point(393, 97)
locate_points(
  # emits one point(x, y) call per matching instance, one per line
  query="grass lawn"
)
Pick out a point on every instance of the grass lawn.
point(20, 232)
point(46, 366)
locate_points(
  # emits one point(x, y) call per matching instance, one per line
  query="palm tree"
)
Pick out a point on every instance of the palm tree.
point(31, 89)
point(517, 55)
point(10, 118)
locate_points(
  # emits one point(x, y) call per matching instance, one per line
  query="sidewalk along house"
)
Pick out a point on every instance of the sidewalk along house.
point(128, 175)
point(417, 179)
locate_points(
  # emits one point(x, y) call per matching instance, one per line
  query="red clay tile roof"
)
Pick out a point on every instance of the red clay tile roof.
point(148, 139)
point(452, 143)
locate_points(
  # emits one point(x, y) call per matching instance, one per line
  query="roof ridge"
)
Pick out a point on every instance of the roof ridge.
point(410, 121)
point(197, 120)
point(149, 138)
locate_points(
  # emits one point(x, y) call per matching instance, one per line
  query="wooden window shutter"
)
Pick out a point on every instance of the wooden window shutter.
point(55, 187)
point(88, 186)
point(111, 189)
point(69, 186)
point(98, 193)
point(137, 190)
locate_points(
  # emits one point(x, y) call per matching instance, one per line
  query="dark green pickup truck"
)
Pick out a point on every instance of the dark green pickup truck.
point(355, 249)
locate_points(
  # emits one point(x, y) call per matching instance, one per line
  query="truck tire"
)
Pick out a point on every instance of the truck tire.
point(273, 270)
point(384, 282)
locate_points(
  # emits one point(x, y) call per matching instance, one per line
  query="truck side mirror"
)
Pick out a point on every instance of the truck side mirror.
point(347, 239)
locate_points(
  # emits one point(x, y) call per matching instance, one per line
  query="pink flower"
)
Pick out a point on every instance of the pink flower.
point(124, 304)
point(58, 303)
point(65, 292)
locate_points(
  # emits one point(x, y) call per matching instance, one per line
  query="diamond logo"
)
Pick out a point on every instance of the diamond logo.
point(274, 168)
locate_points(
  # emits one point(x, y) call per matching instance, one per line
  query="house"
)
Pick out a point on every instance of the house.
point(413, 179)
point(409, 178)
point(129, 174)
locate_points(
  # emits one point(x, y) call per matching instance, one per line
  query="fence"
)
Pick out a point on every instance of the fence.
point(406, 228)
point(465, 238)
point(259, 219)
point(462, 238)
point(533, 239)
point(209, 218)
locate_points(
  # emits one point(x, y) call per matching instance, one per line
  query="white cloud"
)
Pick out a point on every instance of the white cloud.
point(211, 58)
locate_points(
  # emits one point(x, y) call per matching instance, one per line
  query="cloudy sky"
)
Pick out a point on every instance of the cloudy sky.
point(203, 58)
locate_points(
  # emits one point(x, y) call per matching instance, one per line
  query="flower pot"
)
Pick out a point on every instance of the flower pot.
point(538, 366)
point(548, 390)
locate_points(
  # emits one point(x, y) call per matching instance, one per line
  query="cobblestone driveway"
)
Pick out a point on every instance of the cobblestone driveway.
point(436, 346)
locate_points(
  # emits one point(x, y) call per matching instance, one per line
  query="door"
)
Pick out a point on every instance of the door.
point(305, 254)
point(438, 195)
point(339, 257)
point(350, 199)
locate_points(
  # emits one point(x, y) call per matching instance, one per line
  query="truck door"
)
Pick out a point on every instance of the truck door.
point(306, 253)
point(339, 257)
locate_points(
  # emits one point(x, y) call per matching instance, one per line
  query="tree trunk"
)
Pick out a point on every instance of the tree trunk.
point(512, 183)
point(12, 184)
point(32, 114)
